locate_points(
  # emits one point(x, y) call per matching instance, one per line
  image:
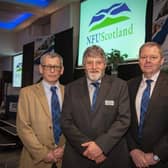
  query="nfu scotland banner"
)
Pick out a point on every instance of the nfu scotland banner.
point(112, 24)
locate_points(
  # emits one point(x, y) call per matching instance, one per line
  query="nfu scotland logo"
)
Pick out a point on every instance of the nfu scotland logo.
point(112, 15)
point(19, 67)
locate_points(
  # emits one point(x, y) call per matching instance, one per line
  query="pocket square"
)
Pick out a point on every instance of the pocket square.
point(109, 102)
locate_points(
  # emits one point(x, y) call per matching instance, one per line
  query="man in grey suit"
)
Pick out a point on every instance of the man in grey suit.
point(148, 141)
point(95, 129)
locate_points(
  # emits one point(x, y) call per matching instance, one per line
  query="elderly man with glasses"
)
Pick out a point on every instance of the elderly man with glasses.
point(38, 116)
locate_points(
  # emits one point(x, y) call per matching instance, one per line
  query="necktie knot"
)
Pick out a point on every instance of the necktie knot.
point(95, 84)
point(53, 88)
point(148, 82)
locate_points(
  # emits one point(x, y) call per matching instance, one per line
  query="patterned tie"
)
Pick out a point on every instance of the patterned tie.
point(55, 110)
point(96, 90)
point(144, 105)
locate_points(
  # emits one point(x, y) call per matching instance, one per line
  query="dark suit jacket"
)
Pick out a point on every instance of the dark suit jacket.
point(106, 126)
point(155, 131)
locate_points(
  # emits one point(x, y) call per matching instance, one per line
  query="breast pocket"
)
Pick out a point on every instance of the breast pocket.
point(110, 105)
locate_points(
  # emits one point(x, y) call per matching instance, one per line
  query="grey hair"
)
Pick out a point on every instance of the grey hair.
point(51, 55)
point(94, 51)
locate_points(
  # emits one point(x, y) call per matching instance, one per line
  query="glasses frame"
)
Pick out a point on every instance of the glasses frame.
point(151, 58)
point(51, 67)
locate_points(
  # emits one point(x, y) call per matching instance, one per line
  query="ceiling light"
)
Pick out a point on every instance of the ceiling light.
point(15, 22)
point(38, 3)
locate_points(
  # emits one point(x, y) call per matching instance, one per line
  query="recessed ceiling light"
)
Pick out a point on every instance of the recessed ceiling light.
point(38, 3)
point(15, 22)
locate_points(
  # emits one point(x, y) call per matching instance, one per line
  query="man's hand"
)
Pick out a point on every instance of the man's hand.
point(92, 150)
point(54, 155)
point(58, 154)
point(149, 159)
point(139, 158)
point(49, 157)
point(100, 158)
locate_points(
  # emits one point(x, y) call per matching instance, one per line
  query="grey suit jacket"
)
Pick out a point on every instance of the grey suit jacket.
point(155, 131)
point(106, 126)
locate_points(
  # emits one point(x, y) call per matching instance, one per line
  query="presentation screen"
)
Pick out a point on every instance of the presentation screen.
point(17, 70)
point(113, 25)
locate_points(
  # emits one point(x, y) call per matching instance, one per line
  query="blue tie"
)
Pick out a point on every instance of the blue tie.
point(55, 110)
point(144, 105)
point(96, 89)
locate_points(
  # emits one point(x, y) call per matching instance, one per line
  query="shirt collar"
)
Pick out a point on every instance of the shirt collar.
point(153, 78)
point(48, 86)
point(89, 81)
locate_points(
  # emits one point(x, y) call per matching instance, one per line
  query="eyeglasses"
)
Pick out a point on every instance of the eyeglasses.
point(51, 67)
point(151, 58)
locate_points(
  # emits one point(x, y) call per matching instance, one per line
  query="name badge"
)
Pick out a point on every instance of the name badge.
point(109, 102)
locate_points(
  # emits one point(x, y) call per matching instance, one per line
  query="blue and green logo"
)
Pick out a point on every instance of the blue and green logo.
point(111, 15)
point(19, 67)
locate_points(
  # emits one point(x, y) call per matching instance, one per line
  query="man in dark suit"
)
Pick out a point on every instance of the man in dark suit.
point(148, 140)
point(95, 129)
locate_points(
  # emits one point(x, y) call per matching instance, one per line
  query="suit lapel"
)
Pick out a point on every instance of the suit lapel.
point(85, 99)
point(159, 84)
point(104, 89)
point(62, 91)
point(134, 89)
point(42, 98)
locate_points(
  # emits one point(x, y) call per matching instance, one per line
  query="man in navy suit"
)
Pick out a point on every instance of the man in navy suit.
point(95, 129)
point(150, 149)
